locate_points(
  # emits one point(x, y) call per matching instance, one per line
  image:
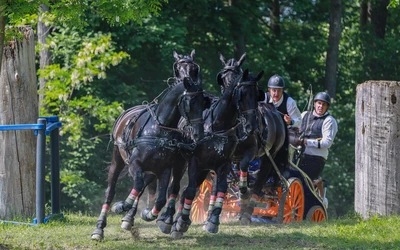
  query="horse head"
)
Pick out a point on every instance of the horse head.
point(246, 92)
point(232, 70)
point(193, 101)
point(247, 95)
point(185, 66)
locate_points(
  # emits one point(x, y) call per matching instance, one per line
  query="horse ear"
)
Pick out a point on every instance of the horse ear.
point(259, 75)
point(222, 58)
point(219, 79)
point(242, 58)
point(176, 56)
point(261, 95)
point(192, 54)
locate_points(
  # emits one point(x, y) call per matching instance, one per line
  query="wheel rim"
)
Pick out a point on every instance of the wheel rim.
point(294, 205)
point(318, 215)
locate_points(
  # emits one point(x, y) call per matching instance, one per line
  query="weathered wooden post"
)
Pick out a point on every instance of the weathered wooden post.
point(377, 166)
point(18, 105)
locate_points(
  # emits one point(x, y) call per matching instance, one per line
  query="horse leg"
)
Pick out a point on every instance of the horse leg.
point(182, 221)
point(261, 179)
point(152, 214)
point(151, 195)
point(222, 185)
point(213, 198)
point(243, 181)
point(117, 164)
point(166, 219)
point(132, 200)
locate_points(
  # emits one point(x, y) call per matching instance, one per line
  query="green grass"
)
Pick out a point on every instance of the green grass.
point(75, 233)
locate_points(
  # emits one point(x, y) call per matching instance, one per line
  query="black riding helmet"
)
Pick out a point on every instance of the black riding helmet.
point(276, 82)
point(323, 96)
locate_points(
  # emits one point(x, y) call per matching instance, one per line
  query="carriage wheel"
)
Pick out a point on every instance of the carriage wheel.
point(316, 214)
point(294, 204)
point(200, 204)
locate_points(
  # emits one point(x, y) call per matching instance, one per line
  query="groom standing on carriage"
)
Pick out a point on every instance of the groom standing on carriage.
point(319, 129)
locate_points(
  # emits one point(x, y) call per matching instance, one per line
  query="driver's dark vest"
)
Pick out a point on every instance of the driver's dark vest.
point(283, 107)
point(314, 128)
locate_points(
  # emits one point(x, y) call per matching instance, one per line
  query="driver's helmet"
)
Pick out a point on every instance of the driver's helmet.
point(276, 82)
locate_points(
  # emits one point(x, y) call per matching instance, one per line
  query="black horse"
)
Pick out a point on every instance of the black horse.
point(271, 147)
point(269, 143)
point(237, 105)
point(146, 139)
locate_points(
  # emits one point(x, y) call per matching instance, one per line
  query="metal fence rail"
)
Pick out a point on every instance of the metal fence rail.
point(46, 125)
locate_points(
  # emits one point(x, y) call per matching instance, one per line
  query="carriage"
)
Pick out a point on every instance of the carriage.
point(301, 201)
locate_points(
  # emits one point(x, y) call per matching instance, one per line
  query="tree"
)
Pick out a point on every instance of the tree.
point(274, 17)
point(373, 21)
point(74, 13)
point(333, 46)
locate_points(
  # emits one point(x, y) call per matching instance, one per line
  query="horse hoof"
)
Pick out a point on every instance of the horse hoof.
point(205, 225)
point(176, 235)
point(144, 214)
point(118, 207)
point(183, 225)
point(211, 228)
point(98, 234)
point(126, 225)
point(245, 219)
point(164, 227)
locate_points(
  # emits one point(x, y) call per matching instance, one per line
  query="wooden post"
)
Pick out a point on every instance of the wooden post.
point(377, 166)
point(18, 105)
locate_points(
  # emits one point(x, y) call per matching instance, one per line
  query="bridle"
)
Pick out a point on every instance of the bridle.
point(186, 60)
point(237, 95)
point(242, 114)
point(184, 107)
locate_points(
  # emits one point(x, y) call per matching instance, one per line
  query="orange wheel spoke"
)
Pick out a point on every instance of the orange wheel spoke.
point(316, 214)
point(294, 205)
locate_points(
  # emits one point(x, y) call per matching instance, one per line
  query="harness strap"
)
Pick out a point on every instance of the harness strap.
point(171, 144)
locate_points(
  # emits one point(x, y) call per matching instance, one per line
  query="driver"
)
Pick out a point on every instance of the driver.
point(285, 104)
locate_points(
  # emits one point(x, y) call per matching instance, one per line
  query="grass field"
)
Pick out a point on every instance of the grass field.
point(75, 233)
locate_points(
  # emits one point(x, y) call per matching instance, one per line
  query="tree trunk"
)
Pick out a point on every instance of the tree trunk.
point(365, 17)
point(376, 13)
point(333, 46)
point(377, 166)
point(239, 41)
point(274, 15)
point(44, 53)
point(379, 15)
point(18, 105)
